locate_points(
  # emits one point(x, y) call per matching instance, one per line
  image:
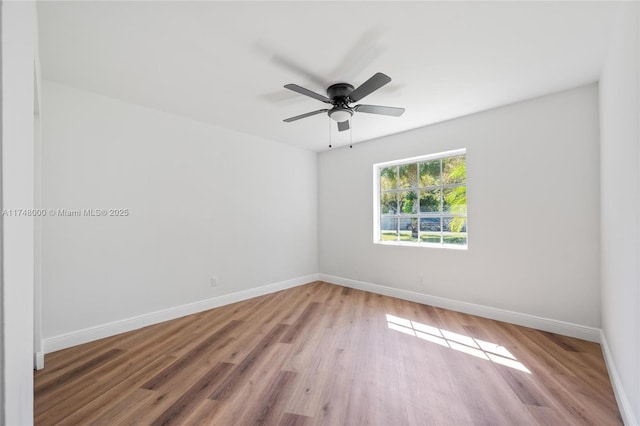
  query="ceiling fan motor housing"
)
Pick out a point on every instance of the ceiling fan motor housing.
point(338, 92)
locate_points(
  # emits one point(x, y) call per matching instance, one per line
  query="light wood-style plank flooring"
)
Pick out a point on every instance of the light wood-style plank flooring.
point(325, 354)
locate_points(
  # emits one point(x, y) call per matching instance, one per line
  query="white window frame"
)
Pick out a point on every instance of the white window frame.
point(376, 200)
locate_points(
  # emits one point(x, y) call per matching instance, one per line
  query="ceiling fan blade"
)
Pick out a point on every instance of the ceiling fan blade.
point(309, 114)
point(307, 92)
point(343, 125)
point(382, 110)
point(374, 83)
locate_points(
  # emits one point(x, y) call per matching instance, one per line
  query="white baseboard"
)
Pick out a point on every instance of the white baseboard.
point(90, 334)
point(38, 360)
point(554, 326)
point(67, 340)
point(621, 396)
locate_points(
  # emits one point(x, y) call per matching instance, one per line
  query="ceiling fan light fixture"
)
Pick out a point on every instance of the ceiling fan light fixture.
point(340, 114)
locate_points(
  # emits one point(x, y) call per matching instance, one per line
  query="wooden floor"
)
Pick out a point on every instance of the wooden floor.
point(324, 354)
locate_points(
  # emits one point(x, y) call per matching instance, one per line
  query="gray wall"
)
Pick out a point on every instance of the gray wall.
point(533, 197)
point(202, 201)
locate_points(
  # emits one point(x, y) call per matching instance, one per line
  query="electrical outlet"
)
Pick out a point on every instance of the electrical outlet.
point(214, 281)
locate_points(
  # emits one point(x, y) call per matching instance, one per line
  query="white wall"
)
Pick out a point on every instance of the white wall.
point(19, 56)
point(203, 201)
point(533, 192)
point(620, 208)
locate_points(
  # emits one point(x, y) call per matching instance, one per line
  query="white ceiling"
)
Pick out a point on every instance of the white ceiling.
point(226, 62)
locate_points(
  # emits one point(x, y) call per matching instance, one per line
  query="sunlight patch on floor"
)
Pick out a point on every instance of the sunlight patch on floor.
point(458, 342)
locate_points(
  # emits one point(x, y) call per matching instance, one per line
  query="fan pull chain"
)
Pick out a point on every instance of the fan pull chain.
point(329, 121)
point(351, 133)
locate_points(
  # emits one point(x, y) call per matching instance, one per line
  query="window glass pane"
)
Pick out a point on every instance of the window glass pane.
point(458, 239)
point(454, 224)
point(388, 178)
point(430, 224)
point(409, 229)
point(388, 203)
point(454, 170)
point(389, 229)
point(408, 202)
point(431, 237)
point(408, 175)
point(455, 200)
point(430, 200)
point(430, 228)
point(430, 173)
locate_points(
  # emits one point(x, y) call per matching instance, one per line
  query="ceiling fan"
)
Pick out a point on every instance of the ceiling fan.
point(340, 95)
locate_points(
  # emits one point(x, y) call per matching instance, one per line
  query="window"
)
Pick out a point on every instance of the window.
point(422, 201)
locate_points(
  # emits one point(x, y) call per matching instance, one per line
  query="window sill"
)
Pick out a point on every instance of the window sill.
point(428, 245)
